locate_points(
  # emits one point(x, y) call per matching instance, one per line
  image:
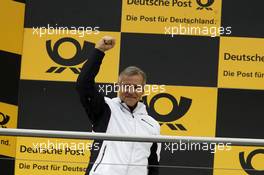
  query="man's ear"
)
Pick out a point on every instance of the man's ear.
point(119, 79)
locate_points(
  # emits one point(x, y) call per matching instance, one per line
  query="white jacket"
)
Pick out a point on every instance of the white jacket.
point(126, 158)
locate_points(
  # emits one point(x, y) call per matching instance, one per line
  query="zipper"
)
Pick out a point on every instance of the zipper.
point(131, 112)
point(100, 160)
point(135, 129)
point(133, 144)
point(146, 122)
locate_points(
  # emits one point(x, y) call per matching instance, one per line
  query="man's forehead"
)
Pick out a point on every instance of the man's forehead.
point(132, 79)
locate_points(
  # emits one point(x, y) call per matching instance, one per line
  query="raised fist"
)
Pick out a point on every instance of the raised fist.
point(106, 43)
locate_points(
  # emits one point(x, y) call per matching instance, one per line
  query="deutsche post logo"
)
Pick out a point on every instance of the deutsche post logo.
point(247, 164)
point(79, 57)
point(178, 111)
point(4, 119)
point(205, 5)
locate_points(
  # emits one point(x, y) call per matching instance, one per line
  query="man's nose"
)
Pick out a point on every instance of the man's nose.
point(129, 93)
point(130, 90)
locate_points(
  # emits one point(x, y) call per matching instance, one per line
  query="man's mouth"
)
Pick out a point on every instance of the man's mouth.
point(129, 97)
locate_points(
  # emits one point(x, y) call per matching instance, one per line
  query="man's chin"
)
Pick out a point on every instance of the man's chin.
point(130, 101)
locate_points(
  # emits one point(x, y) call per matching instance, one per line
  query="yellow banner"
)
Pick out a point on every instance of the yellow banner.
point(172, 17)
point(186, 111)
point(241, 62)
point(12, 26)
point(239, 160)
point(50, 54)
point(52, 156)
point(8, 119)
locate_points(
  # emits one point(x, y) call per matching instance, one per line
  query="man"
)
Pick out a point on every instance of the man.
point(124, 114)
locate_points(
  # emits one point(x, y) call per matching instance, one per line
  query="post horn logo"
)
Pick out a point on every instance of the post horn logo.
point(205, 5)
point(247, 164)
point(4, 119)
point(79, 57)
point(177, 112)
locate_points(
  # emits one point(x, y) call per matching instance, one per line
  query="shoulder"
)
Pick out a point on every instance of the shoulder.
point(107, 99)
point(111, 101)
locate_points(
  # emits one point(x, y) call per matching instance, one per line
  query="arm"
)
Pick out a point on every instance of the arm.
point(91, 99)
point(153, 160)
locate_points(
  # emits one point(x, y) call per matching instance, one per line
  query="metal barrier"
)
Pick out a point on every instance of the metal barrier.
point(129, 138)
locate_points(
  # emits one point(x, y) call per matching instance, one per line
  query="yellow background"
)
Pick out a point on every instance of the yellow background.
point(240, 46)
point(11, 111)
point(200, 120)
point(36, 61)
point(167, 11)
point(12, 22)
point(49, 159)
point(230, 160)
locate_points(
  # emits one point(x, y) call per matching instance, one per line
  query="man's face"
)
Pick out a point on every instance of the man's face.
point(131, 89)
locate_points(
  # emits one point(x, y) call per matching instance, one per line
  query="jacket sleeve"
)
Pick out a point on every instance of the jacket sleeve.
point(153, 160)
point(93, 102)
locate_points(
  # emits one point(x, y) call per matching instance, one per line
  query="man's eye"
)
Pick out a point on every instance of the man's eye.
point(126, 86)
